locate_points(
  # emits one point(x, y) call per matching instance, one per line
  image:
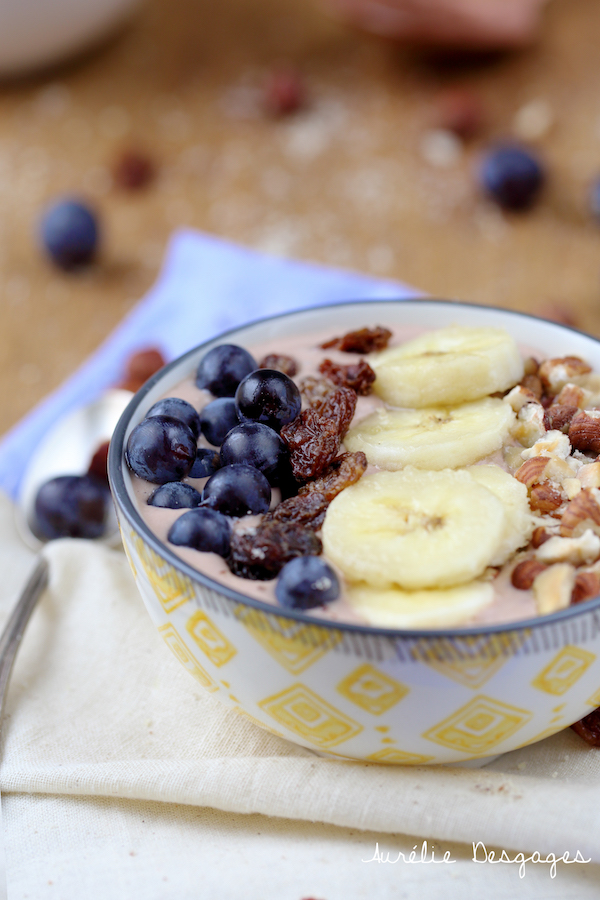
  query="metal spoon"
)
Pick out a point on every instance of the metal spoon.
point(65, 450)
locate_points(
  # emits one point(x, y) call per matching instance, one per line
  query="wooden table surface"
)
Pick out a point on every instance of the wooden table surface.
point(351, 181)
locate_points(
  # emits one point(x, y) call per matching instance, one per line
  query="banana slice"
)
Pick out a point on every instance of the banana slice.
point(414, 529)
point(434, 438)
point(393, 608)
point(513, 495)
point(447, 367)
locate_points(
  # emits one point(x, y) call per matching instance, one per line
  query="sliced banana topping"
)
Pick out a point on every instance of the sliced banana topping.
point(519, 520)
point(414, 529)
point(433, 438)
point(447, 367)
point(394, 608)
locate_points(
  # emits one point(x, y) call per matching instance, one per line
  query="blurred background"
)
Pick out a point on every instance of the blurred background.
point(276, 126)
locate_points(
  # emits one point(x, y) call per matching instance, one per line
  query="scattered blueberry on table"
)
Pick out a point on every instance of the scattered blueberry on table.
point(512, 176)
point(70, 233)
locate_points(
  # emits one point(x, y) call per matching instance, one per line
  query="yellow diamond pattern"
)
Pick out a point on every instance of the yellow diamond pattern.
point(293, 645)
point(564, 671)
point(171, 588)
point(372, 689)
point(393, 757)
point(302, 711)
point(478, 726)
point(177, 646)
point(594, 699)
point(210, 639)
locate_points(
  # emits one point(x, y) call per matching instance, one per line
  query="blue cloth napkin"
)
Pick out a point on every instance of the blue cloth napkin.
point(206, 286)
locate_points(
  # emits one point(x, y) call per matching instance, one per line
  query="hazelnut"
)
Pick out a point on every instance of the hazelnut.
point(524, 574)
point(532, 471)
point(534, 384)
point(544, 498)
point(539, 536)
point(559, 417)
point(572, 395)
point(589, 475)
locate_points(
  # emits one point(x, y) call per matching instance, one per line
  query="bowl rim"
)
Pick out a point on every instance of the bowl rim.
point(116, 463)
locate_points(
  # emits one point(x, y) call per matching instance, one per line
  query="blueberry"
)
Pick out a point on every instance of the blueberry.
point(201, 529)
point(269, 397)
point(71, 506)
point(175, 495)
point(69, 233)
point(161, 449)
point(218, 418)
point(222, 369)
point(206, 464)
point(305, 582)
point(594, 199)
point(176, 408)
point(513, 177)
point(257, 445)
point(238, 490)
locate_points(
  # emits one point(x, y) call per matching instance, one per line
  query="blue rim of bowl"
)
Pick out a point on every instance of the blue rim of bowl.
point(116, 462)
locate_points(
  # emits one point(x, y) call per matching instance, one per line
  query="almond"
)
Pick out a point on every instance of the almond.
point(559, 417)
point(584, 430)
point(582, 513)
point(532, 471)
point(587, 585)
point(524, 574)
point(544, 498)
point(539, 536)
point(589, 475)
point(579, 551)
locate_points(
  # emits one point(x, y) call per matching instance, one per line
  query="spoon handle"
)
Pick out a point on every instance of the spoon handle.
point(13, 631)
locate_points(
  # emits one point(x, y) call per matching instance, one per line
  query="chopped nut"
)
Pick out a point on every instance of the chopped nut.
point(584, 430)
point(558, 417)
point(524, 574)
point(587, 585)
point(589, 475)
point(571, 487)
point(532, 471)
point(280, 363)
point(539, 536)
point(572, 395)
point(533, 384)
point(552, 589)
point(554, 444)
point(582, 514)
point(560, 470)
point(531, 366)
point(519, 396)
point(582, 550)
point(556, 373)
point(364, 340)
point(529, 427)
point(544, 498)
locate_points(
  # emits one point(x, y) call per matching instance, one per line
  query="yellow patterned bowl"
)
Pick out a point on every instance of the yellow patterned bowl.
point(403, 697)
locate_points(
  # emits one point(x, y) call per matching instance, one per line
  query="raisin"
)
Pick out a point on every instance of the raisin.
point(261, 552)
point(340, 474)
point(559, 418)
point(307, 510)
point(358, 376)
point(140, 366)
point(280, 363)
point(316, 390)
point(133, 170)
point(589, 728)
point(98, 467)
point(365, 340)
point(314, 436)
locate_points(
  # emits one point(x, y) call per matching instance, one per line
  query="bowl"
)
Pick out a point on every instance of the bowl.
point(359, 692)
point(34, 35)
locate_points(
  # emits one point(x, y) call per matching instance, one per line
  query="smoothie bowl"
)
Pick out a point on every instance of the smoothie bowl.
point(380, 539)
